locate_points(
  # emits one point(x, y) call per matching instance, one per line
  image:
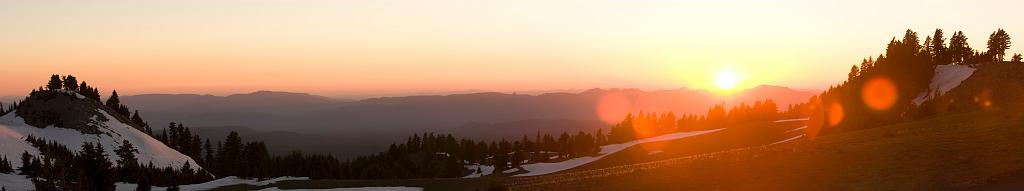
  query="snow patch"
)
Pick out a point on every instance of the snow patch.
point(547, 168)
point(511, 170)
point(16, 182)
point(226, 181)
point(353, 189)
point(13, 142)
point(797, 129)
point(792, 120)
point(946, 78)
point(789, 139)
point(13, 132)
point(484, 171)
point(69, 92)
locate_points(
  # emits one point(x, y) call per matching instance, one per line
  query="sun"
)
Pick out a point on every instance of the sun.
point(726, 79)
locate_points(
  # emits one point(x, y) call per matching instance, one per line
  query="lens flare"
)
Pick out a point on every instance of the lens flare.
point(835, 113)
point(816, 118)
point(984, 99)
point(879, 93)
point(611, 108)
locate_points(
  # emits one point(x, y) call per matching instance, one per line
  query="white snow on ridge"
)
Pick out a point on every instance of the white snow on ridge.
point(13, 132)
point(547, 168)
point(12, 144)
point(946, 78)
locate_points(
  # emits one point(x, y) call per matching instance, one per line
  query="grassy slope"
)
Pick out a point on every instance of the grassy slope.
point(951, 151)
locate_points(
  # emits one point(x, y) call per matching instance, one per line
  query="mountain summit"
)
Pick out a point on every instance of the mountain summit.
point(70, 119)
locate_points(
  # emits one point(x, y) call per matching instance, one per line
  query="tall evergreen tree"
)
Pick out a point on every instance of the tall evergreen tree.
point(70, 83)
point(938, 49)
point(501, 156)
point(253, 155)
point(127, 163)
point(230, 154)
point(959, 50)
point(854, 71)
point(911, 41)
point(88, 91)
point(137, 119)
point(208, 159)
point(55, 83)
point(26, 164)
point(113, 102)
point(998, 43)
point(96, 167)
point(126, 153)
point(5, 166)
point(927, 46)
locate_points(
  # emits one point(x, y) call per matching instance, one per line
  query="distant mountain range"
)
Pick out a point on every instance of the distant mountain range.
point(369, 125)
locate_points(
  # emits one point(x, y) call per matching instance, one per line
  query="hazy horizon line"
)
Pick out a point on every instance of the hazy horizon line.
point(401, 93)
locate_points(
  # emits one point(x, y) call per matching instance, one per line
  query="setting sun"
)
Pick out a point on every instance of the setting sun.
point(726, 80)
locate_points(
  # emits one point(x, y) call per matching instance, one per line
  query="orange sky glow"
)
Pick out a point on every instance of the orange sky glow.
point(337, 48)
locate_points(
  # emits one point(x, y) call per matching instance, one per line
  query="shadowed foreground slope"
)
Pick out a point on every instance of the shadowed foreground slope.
point(960, 151)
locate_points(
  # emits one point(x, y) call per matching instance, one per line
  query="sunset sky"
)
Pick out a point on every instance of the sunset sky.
point(337, 48)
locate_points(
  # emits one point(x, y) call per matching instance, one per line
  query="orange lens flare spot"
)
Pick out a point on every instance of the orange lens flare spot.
point(642, 129)
point(879, 93)
point(815, 124)
point(612, 107)
point(835, 114)
point(984, 98)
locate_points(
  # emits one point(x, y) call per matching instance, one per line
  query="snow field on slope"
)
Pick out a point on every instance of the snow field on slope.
point(547, 168)
point(946, 78)
point(13, 132)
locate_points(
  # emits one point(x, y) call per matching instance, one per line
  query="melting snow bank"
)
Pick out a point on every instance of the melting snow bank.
point(797, 129)
point(226, 181)
point(946, 78)
point(792, 120)
point(547, 168)
point(484, 170)
point(14, 130)
point(354, 189)
point(16, 182)
point(789, 139)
